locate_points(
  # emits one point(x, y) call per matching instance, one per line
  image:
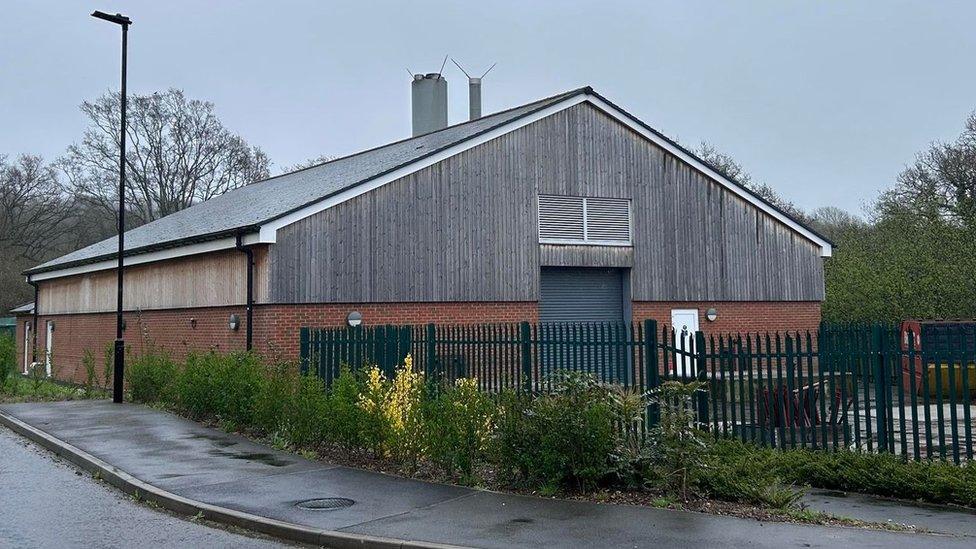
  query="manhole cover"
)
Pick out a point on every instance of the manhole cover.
point(324, 504)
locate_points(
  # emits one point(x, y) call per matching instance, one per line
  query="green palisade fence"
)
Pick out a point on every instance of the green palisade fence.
point(858, 387)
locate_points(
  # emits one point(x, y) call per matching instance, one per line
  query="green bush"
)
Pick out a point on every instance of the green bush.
point(678, 448)
point(274, 395)
point(151, 376)
point(879, 474)
point(458, 424)
point(224, 387)
point(562, 439)
point(303, 423)
point(8, 358)
point(345, 423)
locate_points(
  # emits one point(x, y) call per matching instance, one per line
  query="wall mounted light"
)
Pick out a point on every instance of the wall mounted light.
point(193, 322)
point(355, 318)
point(234, 323)
point(711, 314)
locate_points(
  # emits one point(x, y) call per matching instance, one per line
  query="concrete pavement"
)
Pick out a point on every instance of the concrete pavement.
point(47, 503)
point(198, 464)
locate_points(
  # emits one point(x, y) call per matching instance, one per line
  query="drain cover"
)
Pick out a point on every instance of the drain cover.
point(324, 504)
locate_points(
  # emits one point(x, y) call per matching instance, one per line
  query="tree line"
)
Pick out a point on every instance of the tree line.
point(912, 254)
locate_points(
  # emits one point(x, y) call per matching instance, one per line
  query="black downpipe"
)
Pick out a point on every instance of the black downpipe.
point(37, 293)
point(249, 307)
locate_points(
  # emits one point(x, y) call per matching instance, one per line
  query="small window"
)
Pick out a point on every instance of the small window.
point(579, 220)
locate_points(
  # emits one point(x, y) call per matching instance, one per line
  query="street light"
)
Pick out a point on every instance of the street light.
point(124, 22)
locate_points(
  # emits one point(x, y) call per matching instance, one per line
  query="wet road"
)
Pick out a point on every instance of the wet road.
point(46, 502)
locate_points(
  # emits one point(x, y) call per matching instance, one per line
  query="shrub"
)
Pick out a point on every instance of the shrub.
point(151, 377)
point(372, 400)
point(403, 411)
point(562, 439)
point(276, 390)
point(91, 374)
point(344, 422)
point(459, 423)
point(304, 417)
point(677, 446)
point(880, 474)
point(8, 358)
point(221, 386)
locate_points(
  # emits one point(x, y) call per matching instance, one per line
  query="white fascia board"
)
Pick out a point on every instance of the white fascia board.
point(269, 230)
point(148, 257)
point(825, 247)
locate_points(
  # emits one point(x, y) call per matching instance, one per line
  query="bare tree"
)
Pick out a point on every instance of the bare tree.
point(941, 183)
point(34, 208)
point(35, 215)
point(178, 153)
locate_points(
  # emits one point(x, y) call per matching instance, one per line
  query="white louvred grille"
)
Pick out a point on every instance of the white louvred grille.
point(579, 220)
point(561, 218)
point(608, 220)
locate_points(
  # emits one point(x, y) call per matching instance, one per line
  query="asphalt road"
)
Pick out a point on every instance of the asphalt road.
point(46, 502)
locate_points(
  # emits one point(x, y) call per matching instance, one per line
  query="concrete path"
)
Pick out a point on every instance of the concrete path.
point(935, 518)
point(47, 503)
point(198, 464)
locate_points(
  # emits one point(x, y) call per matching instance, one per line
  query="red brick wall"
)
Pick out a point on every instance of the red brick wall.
point(276, 326)
point(175, 331)
point(738, 316)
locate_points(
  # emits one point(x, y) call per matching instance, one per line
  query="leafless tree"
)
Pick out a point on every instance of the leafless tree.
point(34, 207)
point(178, 153)
point(35, 214)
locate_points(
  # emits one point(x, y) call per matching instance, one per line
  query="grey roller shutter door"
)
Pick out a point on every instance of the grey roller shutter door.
point(581, 295)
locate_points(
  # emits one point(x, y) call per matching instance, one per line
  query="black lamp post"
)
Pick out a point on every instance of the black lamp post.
point(117, 378)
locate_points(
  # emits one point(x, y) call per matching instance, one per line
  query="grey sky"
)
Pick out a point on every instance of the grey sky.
point(826, 101)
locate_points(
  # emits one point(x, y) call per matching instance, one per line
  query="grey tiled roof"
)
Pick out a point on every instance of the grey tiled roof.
point(246, 208)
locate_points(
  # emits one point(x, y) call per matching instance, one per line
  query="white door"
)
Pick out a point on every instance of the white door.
point(50, 347)
point(27, 347)
point(684, 322)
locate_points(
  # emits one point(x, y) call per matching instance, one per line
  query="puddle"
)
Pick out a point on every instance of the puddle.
point(217, 440)
point(260, 457)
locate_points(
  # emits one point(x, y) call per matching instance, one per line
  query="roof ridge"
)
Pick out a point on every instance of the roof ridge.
point(587, 89)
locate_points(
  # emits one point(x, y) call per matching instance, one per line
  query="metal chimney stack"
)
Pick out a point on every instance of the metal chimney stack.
point(474, 97)
point(429, 97)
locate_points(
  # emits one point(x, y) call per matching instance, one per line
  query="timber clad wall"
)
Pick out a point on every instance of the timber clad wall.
point(466, 229)
point(206, 280)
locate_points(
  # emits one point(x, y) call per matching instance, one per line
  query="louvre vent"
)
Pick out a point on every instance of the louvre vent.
point(578, 220)
point(561, 218)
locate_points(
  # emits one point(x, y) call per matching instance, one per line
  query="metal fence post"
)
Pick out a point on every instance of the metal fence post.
point(525, 342)
point(431, 348)
point(652, 377)
point(701, 375)
point(303, 350)
point(881, 407)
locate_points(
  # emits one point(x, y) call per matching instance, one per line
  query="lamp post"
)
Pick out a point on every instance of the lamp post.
point(117, 378)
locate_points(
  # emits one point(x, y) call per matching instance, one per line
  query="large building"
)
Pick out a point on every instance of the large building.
point(564, 209)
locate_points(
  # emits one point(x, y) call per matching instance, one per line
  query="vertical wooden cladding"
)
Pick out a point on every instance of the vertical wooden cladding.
point(465, 229)
point(206, 280)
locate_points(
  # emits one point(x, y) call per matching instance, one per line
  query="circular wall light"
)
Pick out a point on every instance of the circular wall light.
point(355, 318)
point(711, 314)
point(234, 322)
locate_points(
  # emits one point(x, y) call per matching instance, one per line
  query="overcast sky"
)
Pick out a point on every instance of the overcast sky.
point(826, 101)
